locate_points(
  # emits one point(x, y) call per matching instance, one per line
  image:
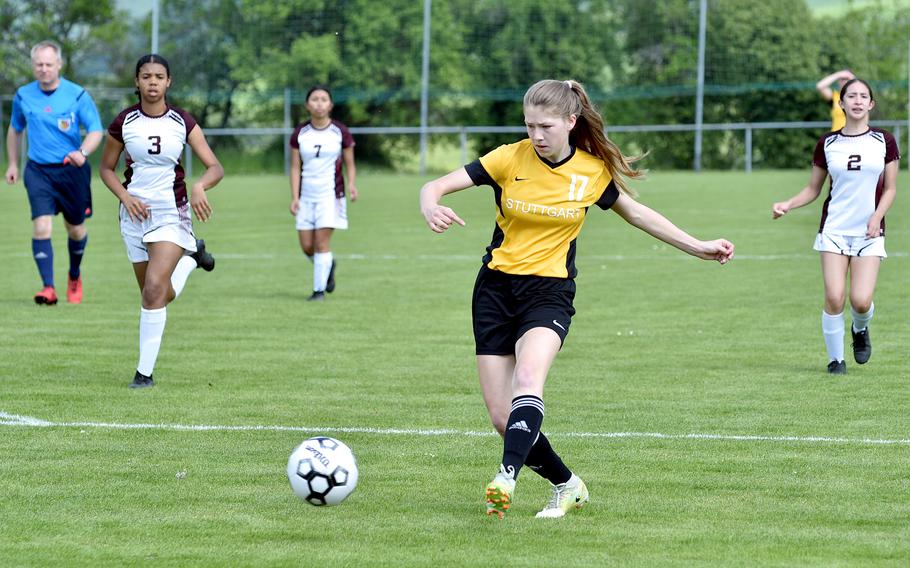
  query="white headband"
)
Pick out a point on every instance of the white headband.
point(569, 84)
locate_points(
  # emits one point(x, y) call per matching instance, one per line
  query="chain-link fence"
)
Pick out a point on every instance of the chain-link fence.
point(456, 71)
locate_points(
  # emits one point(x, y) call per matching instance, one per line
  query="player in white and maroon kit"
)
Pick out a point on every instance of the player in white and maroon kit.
point(318, 148)
point(863, 164)
point(155, 209)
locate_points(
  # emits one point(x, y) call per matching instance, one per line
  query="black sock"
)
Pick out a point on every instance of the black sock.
point(546, 463)
point(522, 429)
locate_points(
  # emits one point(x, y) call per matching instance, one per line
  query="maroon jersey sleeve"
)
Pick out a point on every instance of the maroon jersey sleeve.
point(346, 139)
point(295, 136)
point(892, 151)
point(116, 128)
point(188, 119)
point(818, 157)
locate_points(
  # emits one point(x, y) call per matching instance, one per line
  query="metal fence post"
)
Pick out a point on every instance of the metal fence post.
point(748, 150)
point(2, 130)
point(700, 83)
point(187, 161)
point(425, 85)
point(287, 126)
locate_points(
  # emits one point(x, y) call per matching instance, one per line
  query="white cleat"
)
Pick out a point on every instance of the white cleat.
point(572, 494)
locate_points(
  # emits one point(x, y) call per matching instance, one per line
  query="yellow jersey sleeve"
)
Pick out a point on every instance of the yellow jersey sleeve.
point(500, 163)
point(838, 118)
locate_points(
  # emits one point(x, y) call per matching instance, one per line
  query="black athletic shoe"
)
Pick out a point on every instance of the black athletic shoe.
point(837, 368)
point(316, 297)
point(204, 260)
point(330, 284)
point(862, 345)
point(140, 381)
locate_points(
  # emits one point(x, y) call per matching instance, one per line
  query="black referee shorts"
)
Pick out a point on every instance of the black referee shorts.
point(505, 306)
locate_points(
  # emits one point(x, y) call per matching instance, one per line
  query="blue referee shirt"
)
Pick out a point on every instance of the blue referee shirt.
point(54, 119)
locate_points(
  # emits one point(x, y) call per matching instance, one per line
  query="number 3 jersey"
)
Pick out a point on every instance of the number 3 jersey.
point(154, 146)
point(540, 206)
point(320, 156)
point(856, 165)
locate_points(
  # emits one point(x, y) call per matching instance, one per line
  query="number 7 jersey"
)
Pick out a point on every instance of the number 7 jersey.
point(153, 148)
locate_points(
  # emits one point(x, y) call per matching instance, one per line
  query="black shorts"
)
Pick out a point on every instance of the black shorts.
point(55, 188)
point(505, 306)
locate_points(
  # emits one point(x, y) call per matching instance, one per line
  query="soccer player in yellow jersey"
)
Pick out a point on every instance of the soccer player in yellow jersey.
point(838, 118)
point(522, 303)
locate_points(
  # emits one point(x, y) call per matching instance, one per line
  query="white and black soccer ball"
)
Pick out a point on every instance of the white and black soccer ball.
point(322, 471)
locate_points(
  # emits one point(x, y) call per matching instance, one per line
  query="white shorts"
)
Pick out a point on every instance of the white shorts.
point(850, 245)
point(328, 213)
point(174, 226)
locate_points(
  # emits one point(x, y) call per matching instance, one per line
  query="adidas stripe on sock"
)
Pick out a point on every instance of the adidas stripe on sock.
point(522, 430)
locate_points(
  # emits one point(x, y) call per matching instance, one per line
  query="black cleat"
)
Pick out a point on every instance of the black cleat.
point(862, 345)
point(837, 368)
point(204, 260)
point(140, 381)
point(316, 297)
point(330, 284)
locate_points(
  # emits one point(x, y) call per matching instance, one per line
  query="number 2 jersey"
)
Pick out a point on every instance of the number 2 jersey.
point(154, 146)
point(856, 164)
point(540, 206)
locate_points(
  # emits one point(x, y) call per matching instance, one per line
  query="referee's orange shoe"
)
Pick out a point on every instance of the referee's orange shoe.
point(74, 290)
point(47, 296)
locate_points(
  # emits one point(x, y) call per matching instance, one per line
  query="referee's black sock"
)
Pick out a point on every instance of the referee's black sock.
point(545, 462)
point(522, 430)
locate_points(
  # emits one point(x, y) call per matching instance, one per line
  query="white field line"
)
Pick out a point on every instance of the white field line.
point(7, 419)
point(477, 257)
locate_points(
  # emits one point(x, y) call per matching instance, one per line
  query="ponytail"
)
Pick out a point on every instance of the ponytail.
point(566, 98)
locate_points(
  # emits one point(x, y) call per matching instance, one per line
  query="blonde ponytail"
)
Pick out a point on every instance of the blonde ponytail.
point(565, 98)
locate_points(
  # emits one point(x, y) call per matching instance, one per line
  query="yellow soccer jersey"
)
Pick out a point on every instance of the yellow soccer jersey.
point(540, 206)
point(838, 118)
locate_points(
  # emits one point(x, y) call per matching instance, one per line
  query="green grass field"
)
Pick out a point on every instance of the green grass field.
point(691, 397)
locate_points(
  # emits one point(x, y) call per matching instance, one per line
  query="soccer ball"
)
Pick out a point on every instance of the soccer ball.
point(322, 471)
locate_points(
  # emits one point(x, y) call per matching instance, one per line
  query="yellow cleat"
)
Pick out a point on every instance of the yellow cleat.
point(499, 493)
point(572, 494)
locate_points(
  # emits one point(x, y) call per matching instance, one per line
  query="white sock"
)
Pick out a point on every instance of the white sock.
point(861, 321)
point(185, 266)
point(322, 265)
point(833, 330)
point(151, 330)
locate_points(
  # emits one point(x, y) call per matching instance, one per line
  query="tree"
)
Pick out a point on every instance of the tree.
point(761, 65)
point(88, 31)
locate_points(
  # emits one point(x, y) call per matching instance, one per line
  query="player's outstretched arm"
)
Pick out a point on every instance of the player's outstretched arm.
point(804, 197)
point(824, 84)
point(659, 227)
point(438, 217)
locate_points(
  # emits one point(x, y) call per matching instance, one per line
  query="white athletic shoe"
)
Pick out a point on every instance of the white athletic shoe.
point(572, 494)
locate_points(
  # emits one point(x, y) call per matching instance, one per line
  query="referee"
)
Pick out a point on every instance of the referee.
point(57, 175)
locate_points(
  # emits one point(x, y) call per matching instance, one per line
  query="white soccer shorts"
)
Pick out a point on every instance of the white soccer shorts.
point(173, 226)
point(850, 246)
point(328, 213)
